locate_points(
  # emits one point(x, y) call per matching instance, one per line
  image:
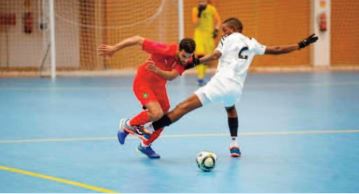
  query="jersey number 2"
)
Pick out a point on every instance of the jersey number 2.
point(240, 54)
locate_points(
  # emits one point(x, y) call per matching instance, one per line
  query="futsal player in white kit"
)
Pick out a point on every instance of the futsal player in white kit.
point(235, 53)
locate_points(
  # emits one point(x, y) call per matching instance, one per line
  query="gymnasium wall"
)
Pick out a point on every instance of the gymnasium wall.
point(82, 25)
point(345, 33)
point(14, 42)
point(155, 19)
point(270, 22)
point(19, 49)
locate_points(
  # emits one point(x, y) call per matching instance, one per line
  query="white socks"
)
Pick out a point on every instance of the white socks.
point(234, 142)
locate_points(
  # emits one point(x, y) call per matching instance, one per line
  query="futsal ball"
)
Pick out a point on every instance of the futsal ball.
point(206, 161)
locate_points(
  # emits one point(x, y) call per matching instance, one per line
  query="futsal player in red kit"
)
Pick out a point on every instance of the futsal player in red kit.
point(165, 62)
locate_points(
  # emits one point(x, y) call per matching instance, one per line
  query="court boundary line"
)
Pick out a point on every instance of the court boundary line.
point(56, 179)
point(258, 133)
point(264, 85)
point(26, 72)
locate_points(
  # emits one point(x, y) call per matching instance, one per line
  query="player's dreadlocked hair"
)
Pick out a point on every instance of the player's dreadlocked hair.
point(188, 45)
point(235, 23)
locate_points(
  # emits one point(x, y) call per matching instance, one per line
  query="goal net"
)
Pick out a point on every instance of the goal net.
point(82, 25)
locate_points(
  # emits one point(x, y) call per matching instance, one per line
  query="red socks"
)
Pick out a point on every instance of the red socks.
point(140, 119)
point(153, 137)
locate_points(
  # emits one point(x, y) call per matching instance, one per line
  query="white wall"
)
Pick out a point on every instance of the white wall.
point(27, 50)
point(24, 49)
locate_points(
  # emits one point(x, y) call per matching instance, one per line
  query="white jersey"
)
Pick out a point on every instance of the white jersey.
point(237, 52)
point(226, 85)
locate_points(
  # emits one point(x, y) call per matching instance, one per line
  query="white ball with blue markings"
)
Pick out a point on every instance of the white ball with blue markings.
point(206, 161)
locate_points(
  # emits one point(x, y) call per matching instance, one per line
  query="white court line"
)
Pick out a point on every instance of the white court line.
point(263, 85)
point(257, 133)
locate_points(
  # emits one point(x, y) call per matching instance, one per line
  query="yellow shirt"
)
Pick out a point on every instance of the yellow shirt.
point(207, 19)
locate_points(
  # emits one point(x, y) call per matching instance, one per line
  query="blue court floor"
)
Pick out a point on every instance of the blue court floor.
point(299, 132)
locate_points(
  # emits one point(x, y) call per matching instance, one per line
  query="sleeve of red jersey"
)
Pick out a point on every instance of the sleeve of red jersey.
point(154, 47)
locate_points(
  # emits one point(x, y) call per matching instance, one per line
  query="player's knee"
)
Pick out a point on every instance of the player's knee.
point(156, 114)
point(231, 111)
point(232, 114)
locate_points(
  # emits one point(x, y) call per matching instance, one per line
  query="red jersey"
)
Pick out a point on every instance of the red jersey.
point(164, 56)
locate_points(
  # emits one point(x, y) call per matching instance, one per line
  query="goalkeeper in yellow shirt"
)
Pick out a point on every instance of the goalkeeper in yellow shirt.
point(206, 21)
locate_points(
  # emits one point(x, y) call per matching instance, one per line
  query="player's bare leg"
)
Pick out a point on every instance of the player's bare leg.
point(184, 107)
point(180, 110)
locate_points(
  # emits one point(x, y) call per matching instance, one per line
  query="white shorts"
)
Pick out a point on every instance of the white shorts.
point(220, 90)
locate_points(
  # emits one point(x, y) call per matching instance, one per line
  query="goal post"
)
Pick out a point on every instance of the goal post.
point(180, 20)
point(52, 39)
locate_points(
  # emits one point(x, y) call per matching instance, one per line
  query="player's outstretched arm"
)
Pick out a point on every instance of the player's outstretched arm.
point(109, 50)
point(214, 56)
point(283, 49)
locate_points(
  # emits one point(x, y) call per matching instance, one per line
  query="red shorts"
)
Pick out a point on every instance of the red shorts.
point(146, 93)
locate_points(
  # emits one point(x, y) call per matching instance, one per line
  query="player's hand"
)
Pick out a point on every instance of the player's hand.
point(106, 50)
point(195, 62)
point(201, 8)
point(152, 67)
point(306, 42)
point(215, 33)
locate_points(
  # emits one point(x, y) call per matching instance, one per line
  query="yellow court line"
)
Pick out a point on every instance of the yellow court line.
point(55, 179)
